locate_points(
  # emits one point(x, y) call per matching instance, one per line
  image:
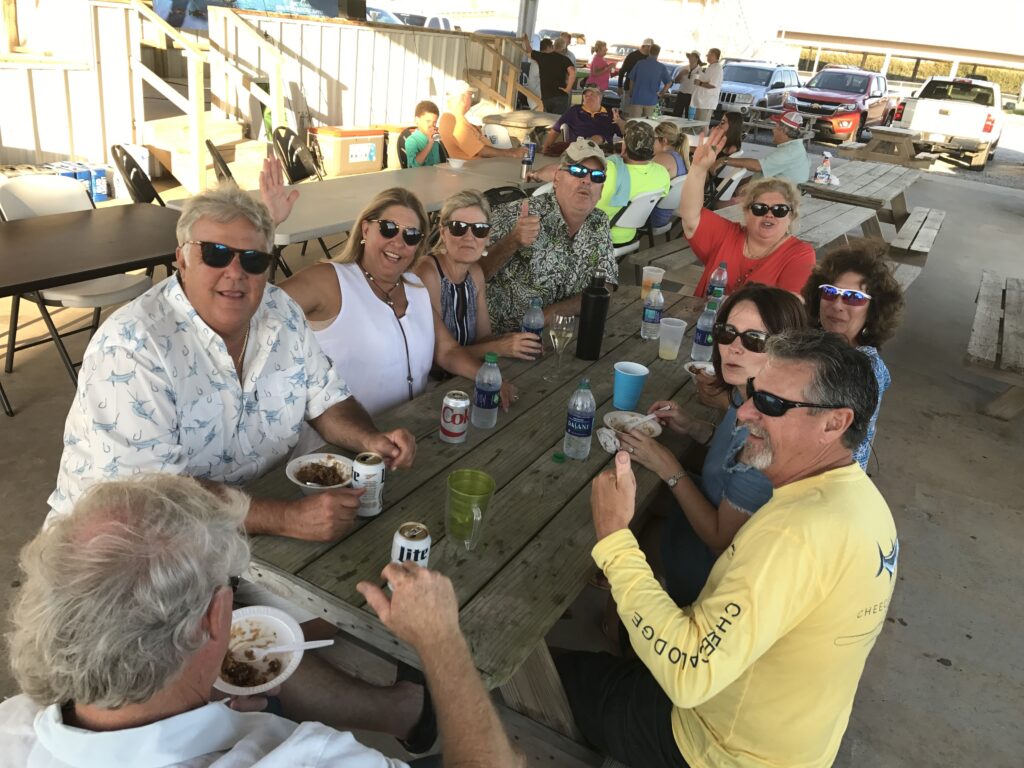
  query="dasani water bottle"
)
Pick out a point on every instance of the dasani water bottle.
point(702, 341)
point(579, 425)
point(487, 393)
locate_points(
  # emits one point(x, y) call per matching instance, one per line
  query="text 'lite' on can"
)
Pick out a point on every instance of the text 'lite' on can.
point(454, 417)
point(368, 472)
point(412, 543)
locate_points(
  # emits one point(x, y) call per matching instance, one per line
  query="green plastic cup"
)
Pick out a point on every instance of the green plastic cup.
point(469, 493)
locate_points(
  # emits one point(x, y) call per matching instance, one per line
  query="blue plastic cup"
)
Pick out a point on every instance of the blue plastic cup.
point(629, 383)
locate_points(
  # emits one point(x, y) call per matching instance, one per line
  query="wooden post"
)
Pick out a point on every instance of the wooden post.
point(277, 92)
point(10, 39)
point(536, 691)
point(197, 120)
point(817, 59)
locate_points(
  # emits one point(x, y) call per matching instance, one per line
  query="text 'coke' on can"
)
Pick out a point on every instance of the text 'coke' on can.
point(454, 417)
point(412, 543)
point(368, 472)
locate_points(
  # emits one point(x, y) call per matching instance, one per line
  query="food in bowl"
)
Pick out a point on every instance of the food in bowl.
point(317, 472)
point(326, 474)
point(240, 666)
point(694, 367)
point(622, 421)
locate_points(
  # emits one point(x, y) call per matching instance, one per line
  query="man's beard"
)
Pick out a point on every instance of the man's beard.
point(761, 457)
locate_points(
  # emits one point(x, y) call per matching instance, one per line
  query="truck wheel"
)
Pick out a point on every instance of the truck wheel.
point(860, 128)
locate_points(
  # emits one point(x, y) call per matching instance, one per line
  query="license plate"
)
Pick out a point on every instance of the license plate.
point(936, 137)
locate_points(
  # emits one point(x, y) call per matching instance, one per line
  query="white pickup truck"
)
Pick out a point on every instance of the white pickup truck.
point(954, 115)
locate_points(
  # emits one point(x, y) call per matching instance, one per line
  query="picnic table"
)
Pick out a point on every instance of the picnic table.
point(534, 555)
point(889, 144)
point(870, 185)
point(996, 347)
point(521, 122)
point(502, 171)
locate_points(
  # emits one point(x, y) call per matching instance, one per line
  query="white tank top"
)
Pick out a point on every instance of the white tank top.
point(366, 346)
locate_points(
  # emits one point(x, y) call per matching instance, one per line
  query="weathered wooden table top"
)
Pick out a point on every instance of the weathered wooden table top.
point(865, 183)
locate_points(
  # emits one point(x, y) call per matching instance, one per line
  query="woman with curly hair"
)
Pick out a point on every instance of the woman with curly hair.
point(853, 293)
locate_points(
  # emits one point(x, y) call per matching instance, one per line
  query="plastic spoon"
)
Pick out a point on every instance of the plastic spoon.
point(259, 653)
point(649, 417)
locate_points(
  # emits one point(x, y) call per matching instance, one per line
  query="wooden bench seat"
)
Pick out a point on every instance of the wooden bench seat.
point(996, 347)
point(915, 238)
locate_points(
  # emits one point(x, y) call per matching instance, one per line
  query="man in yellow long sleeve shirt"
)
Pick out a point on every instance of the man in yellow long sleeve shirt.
point(762, 669)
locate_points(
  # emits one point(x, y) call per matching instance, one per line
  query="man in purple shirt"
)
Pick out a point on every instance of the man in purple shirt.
point(588, 120)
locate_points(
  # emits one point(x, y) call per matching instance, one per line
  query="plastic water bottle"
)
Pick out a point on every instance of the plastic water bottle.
point(702, 341)
point(719, 280)
point(656, 114)
point(487, 393)
point(579, 425)
point(533, 320)
point(654, 305)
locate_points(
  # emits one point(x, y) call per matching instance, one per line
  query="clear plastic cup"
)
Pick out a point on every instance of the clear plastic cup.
point(670, 337)
point(652, 275)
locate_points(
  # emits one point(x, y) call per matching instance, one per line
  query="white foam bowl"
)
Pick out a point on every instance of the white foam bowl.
point(620, 420)
point(341, 463)
point(263, 626)
point(454, 162)
point(693, 367)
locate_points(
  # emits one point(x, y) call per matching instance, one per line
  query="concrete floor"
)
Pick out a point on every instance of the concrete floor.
point(943, 686)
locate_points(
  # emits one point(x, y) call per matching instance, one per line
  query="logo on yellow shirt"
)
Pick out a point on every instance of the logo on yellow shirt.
point(888, 562)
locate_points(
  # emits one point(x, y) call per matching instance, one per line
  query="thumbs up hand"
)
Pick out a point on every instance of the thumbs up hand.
point(527, 228)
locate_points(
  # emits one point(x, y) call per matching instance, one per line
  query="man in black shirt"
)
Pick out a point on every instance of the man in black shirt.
point(557, 76)
point(628, 64)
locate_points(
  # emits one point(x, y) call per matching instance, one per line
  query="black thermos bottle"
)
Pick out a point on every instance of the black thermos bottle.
point(593, 312)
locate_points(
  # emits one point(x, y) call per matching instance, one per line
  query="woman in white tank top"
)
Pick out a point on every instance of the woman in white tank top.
point(372, 315)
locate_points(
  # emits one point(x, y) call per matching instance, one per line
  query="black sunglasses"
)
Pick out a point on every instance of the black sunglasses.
point(388, 229)
point(779, 210)
point(773, 405)
point(581, 172)
point(724, 333)
point(459, 228)
point(849, 297)
point(218, 256)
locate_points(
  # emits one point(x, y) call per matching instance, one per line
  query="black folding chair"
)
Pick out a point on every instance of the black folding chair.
point(403, 160)
point(139, 186)
point(219, 166)
point(298, 165)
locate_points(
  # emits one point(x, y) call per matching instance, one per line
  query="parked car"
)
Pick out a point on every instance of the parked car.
point(439, 22)
point(577, 43)
point(412, 19)
point(843, 101)
point(955, 115)
point(380, 16)
point(747, 84)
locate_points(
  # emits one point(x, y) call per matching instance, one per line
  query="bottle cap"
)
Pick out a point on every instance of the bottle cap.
point(656, 287)
point(558, 457)
point(584, 383)
point(722, 264)
point(491, 357)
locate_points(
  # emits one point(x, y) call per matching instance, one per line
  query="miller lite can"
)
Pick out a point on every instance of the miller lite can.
point(411, 542)
point(368, 472)
point(528, 158)
point(454, 417)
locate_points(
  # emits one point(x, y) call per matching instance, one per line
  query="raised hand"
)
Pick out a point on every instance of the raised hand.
point(527, 228)
point(273, 191)
point(706, 153)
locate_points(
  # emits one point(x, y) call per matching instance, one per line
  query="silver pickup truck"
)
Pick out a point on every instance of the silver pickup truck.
point(955, 115)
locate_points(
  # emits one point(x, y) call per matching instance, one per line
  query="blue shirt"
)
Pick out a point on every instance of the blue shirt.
point(863, 451)
point(414, 144)
point(725, 479)
point(648, 76)
point(787, 161)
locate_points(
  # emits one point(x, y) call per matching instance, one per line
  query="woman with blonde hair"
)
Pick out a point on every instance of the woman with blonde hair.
point(600, 70)
point(672, 152)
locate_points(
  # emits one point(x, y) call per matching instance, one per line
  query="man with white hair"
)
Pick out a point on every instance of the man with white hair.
point(124, 619)
point(463, 140)
point(707, 87)
point(212, 373)
point(788, 160)
point(762, 669)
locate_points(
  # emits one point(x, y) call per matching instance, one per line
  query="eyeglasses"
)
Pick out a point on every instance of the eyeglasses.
point(581, 172)
point(779, 210)
point(773, 405)
point(848, 296)
point(459, 228)
point(388, 229)
point(218, 256)
point(724, 333)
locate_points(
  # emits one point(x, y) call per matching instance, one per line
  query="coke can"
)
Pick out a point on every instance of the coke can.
point(454, 417)
point(368, 472)
point(411, 542)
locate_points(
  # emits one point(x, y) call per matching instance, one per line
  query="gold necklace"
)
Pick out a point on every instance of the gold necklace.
point(245, 344)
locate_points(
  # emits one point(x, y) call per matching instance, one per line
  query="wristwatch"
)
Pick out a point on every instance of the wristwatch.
point(672, 481)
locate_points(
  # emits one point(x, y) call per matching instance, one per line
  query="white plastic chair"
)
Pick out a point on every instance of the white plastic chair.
point(727, 186)
point(498, 135)
point(670, 202)
point(543, 189)
point(24, 197)
point(634, 215)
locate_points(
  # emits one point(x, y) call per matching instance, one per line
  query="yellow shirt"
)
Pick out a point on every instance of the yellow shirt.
point(763, 667)
point(643, 177)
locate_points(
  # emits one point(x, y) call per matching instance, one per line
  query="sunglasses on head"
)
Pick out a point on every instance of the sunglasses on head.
point(849, 297)
point(779, 210)
point(724, 333)
point(218, 255)
point(459, 228)
point(388, 229)
point(773, 405)
point(581, 172)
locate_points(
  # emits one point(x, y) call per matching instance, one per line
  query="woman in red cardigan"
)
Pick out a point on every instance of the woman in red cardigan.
point(762, 249)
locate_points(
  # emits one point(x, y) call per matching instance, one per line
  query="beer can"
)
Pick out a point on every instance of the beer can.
point(368, 472)
point(454, 417)
point(531, 152)
point(411, 542)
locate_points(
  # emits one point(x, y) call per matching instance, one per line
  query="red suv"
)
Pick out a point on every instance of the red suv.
point(840, 102)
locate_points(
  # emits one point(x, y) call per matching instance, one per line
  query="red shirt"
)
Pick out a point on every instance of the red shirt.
point(717, 240)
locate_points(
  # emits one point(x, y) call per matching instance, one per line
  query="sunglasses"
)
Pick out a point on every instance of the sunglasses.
point(218, 256)
point(388, 229)
point(779, 210)
point(581, 172)
point(848, 296)
point(459, 228)
point(723, 333)
point(773, 405)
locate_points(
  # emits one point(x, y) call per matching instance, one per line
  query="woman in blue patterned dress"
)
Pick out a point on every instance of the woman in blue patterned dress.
point(852, 292)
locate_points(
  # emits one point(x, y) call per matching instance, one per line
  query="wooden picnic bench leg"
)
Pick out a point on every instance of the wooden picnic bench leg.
point(536, 691)
point(1006, 405)
point(899, 210)
point(872, 228)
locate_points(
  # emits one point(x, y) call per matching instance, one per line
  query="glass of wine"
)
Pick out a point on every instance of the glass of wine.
point(560, 332)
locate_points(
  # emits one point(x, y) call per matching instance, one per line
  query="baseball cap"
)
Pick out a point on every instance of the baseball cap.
point(639, 139)
point(582, 149)
point(647, 41)
point(790, 119)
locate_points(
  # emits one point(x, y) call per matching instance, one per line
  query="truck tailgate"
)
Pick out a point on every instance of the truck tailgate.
point(938, 120)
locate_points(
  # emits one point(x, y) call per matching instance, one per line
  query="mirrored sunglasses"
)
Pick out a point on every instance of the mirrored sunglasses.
point(388, 229)
point(459, 228)
point(773, 405)
point(849, 297)
point(724, 333)
point(218, 256)
point(779, 210)
point(581, 171)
